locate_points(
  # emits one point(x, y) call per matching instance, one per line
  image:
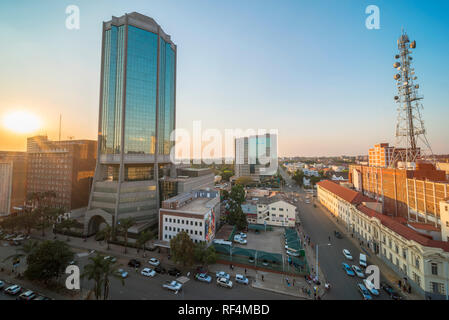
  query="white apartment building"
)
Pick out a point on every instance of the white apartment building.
point(196, 213)
point(423, 261)
point(275, 212)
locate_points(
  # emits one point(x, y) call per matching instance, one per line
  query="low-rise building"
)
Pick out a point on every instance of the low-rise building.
point(274, 211)
point(410, 249)
point(13, 172)
point(196, 212)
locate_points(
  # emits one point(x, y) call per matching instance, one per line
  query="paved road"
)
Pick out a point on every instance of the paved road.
point(319, 227)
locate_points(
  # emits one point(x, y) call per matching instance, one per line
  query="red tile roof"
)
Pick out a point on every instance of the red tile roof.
point(404, 231)
point(349, 195)
point(424, 226)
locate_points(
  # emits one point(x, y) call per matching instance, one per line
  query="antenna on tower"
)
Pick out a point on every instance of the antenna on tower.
point(411, 141)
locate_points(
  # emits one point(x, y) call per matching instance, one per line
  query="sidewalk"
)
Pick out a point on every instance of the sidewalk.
point(391, 276)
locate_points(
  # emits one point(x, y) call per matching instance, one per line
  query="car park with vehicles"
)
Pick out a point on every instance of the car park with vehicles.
point(240, 240)
point(203, 277)
point(240, 278)
point(148, 272)
point(174, 272)
point(27, 296)
point(222, 274)
point(154, 262)
point(358, 271)
point(13, 290)
point(348, 269)
point(172, 285)
point(347, 254)
point(370, 286)
point(224, 282)
point(133, 263)
point(364, 292)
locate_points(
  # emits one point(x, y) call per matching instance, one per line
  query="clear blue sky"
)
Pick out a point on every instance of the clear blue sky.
point(308, 68)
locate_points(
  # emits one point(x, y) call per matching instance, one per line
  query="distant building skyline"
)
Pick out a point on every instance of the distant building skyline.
point(330, 93)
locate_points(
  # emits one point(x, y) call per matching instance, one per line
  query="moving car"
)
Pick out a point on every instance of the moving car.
point(358, 271)
point(154, 262)
point(122, 273)
point(148, 272)
point(348, 269)
point(204, 277)
point(13, 290)
point(240, 278)
point(364, 292)
point(388, 289)
point(370, 286)
point(174, 272)
point(347, 254)
point(27, 296)
point(224, 282)
point(222, 274)
point(338, 235)
point(134, 263)
point(172, 285)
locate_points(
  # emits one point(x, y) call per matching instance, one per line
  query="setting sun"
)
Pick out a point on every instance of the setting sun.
point(21, 122)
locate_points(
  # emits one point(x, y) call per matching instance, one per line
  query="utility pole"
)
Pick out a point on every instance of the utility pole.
point(60, 120)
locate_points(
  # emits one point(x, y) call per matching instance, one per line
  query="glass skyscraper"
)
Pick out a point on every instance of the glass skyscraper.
point(137, 115)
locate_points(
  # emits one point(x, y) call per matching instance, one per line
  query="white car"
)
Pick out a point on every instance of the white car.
point(240, 240)
point(148, 272)
point(370, 286)
point(172, 285)
point(13, 290)
point(347, 254)
point(224, 282)
point(154, 262)
point(222, 274)
point(112, 259)
point(242, 235)
point(240, 278)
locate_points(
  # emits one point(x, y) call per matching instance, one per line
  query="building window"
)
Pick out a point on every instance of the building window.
point(434, 268)
point(437, 287)
point(417, 263)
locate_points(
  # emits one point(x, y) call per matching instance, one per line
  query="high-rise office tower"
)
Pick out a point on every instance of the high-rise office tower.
point(137, 115)
point(256, 156)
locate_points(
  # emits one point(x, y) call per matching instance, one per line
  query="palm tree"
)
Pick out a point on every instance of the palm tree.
point(66, 225)
point(109, 270)
point(106, 233)
point(143, 238)
point(94, 271)
point(23, 252)
point(124, 225)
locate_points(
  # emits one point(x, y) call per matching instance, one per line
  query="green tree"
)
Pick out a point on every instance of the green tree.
point(244, 181)
point(109, 270)
point(182, 249)
point(106, 233)
point(237, 217)
point(124, 225)
point(204, 254)
point(298, 177)
point(238, 193)
point(143, 238)
point(23, 252)
point(67, 225)
point(94, 271)
point(48, 261)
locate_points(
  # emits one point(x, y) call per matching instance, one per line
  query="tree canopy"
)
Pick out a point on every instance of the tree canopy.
point(182, 249)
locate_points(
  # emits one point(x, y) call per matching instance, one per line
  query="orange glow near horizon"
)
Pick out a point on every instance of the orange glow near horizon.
point(21, 122)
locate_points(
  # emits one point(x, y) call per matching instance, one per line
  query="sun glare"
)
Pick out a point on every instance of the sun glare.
point(21, 122)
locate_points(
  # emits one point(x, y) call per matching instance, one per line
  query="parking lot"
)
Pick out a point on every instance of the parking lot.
point(268, 241)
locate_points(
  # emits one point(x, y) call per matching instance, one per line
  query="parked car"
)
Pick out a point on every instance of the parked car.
point(242, 235)
point(224, 282)
point(240, 278)
point(133, 263)
point(358, 271)
point(364, 292)
point(174, 272)
point(122, 273)
point(154, 262)
point(251, 260)
point(222, 274)
point(362, 260)
point(2, 284)
point(27, 296)
point(370, 286)
point(41, 298)
point(348, 269)
point(203, 277)
point(110, 258)
point(240, 240)
point(160, 269)
point(13, 290)
point(388, 289)
point(347, 254)
point(148, 272)
point(172, 285)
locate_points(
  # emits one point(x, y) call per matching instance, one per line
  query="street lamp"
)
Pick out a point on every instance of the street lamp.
point(316, 246)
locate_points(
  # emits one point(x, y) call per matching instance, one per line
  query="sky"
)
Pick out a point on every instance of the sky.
point(310, 69)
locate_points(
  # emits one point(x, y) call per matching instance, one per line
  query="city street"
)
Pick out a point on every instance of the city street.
point(318, 226)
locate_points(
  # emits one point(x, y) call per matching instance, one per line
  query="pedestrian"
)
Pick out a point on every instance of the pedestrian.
point(262, 277)
point(293, 282)
point(245, 270)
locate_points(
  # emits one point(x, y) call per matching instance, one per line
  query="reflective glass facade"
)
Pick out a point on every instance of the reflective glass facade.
point(139, 65)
